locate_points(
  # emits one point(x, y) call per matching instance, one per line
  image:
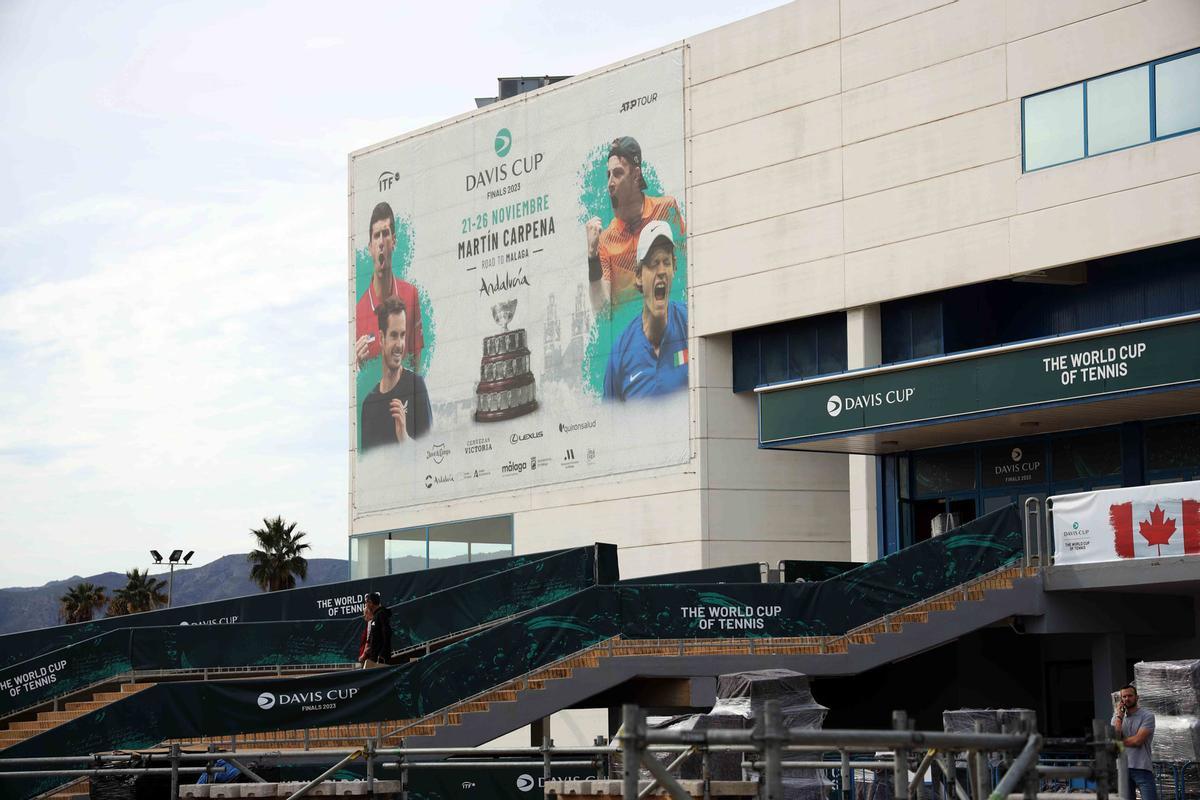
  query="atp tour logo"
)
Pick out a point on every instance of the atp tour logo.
point(833, 405)
point(266, 701)
point(503, 142)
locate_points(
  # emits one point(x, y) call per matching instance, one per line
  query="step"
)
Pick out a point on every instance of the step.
point(85, 705)
point(109, 697)
point(59, 717)
point(30, 725)
point(131, 688)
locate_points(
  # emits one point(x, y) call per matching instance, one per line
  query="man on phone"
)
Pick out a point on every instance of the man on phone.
point(385, 284)
point(379, 633)
point(397, 408)
point(1135, 729)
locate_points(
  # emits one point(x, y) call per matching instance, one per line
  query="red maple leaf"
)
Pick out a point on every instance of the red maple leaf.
point(1159, 530)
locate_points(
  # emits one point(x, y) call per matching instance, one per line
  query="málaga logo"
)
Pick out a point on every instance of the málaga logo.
point(503, 142)
point(266, 700)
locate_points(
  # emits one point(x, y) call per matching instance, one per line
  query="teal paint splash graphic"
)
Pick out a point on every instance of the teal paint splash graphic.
point(402, 259)
point(593, 198)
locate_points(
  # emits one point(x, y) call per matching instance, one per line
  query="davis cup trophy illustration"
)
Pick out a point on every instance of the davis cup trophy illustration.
point(506, 387)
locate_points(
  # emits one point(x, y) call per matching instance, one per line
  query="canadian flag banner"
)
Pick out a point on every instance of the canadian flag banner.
point(1156, 521)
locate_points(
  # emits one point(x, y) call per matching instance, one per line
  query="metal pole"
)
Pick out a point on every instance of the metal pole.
point(171, 585)
point(900, 778)
point(630, 757)
point(547, 743)
point(919, 775)
point(773, 736)
point(370, 767)
point(317, 781)
point(660, 772)
point(706, 773)
point(847, 787)
point(246, 770)
point(1019, 769)
point(175, 771)
point(670, 768)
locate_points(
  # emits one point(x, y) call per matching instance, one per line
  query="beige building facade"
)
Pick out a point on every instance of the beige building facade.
point(841, 155)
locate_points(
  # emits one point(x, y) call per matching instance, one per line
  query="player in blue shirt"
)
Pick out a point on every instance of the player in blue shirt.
point(650, 357)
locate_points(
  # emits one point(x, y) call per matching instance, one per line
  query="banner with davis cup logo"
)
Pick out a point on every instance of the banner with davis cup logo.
point(518, 285)
point(1138, 522)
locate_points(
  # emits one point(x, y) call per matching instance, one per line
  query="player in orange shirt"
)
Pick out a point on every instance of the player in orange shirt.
point(385, 284)
point(612, 252)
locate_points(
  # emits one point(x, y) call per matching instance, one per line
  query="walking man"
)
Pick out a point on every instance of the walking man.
point(379, 633)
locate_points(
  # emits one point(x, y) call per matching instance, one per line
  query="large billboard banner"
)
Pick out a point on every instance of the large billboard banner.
point(1156, 521)
point(519, 282)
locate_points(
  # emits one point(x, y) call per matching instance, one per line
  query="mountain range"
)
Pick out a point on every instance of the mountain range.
point(22, 608)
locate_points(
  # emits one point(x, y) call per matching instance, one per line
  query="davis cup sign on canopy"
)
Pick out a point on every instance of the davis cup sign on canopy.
point(1139, 522)
point(518, 293)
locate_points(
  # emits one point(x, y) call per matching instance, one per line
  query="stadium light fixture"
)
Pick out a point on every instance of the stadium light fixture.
point(172, 561)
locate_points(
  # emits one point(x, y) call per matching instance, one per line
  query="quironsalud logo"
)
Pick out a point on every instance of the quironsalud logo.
point(503, 142)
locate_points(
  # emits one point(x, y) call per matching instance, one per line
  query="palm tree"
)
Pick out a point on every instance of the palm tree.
point(140, 593)
point(277, 563)
point(81, 602)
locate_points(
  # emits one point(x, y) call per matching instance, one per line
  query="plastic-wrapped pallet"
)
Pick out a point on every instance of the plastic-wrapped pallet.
point(741, 697)
point(1176, 739)
point(962, 720)
point(1169, 687)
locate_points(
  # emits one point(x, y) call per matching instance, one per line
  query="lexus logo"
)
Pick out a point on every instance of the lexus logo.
point(266, 700)
point(525, 782)
point(833, 405)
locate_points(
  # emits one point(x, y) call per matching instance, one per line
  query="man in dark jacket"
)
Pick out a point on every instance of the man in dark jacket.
point(379, 633)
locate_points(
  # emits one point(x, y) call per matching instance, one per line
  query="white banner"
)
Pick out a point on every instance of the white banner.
point(544, 338)
point(1138, 522)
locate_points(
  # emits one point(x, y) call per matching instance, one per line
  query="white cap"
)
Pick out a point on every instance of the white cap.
point(650, 234)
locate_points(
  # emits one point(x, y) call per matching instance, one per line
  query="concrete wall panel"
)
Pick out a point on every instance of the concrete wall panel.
point(792, 186)
point(763, 141)
point(928, 263)
point(764, 37)
point(1030, 17)
point(922, 40)
point(937, 148)
point(943, 90)
point(765, 89)
point(782, 294)
point(1102, 44)
point(1106, 225)
point(861, 15)
point(938, 204)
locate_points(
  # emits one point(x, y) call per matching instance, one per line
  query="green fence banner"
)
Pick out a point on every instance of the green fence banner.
point(341, 600)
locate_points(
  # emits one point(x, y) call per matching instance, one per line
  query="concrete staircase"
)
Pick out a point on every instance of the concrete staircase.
point(20, 730)
point(475, 720)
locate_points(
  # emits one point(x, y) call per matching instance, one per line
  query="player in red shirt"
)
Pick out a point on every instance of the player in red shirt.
point(612, 252)
point(385, 284)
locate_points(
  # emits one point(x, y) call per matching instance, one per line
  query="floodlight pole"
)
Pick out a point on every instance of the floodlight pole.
point(171, 585)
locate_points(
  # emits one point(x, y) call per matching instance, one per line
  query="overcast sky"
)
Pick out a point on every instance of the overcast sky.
point(173, 339)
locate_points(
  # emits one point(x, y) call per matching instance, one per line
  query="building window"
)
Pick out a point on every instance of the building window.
point(911, 328)
point(788, 351)
point(1131, 107)
point(411, 549)
point(1177, 95)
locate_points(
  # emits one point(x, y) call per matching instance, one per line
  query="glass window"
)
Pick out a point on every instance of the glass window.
point(942, 473)
point(1054, 127)
point(405, 551)
point(1174, 445)
point(1013, 465)
point(1092, 455)
point(1118, 110)
point(927, 329)
point(745, 360)
point(802, 351)
point(773, 351)
point(1177, 95)
point(831, 345)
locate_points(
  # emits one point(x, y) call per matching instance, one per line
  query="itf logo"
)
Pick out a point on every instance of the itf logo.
point(833, 405)
point(266, 701)
point(503, 142)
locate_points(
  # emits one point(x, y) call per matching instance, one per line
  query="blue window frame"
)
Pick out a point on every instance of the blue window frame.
point(1125, 108)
